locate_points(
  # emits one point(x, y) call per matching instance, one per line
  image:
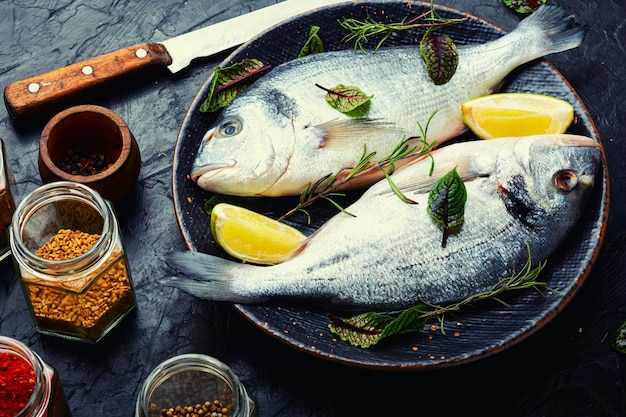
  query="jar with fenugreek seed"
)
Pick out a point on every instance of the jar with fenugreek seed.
point(193, 385)
point(68, 249)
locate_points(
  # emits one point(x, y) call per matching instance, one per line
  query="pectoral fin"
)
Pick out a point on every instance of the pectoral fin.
point(356, 133)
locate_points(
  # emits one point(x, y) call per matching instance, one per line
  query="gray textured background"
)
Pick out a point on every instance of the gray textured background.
point(566, 369)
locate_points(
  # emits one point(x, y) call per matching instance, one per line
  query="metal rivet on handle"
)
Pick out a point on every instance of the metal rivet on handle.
point(33, 87)
point(141, 53)
point(87, 70)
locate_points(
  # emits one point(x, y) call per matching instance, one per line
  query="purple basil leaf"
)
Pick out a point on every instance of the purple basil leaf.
point(524, 6)
point(440, 56)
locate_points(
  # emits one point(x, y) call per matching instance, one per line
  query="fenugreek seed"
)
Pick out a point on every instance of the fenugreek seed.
point(83, 309)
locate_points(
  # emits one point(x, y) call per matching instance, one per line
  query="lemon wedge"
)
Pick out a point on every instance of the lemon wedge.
point(517, 114)
point(253, 237)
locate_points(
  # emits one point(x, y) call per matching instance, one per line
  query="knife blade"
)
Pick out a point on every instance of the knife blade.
point(61, 86)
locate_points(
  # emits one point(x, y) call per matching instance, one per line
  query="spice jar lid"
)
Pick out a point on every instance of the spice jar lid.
point(193, 382)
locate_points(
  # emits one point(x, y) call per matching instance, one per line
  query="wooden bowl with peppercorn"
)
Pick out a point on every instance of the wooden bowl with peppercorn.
point(90, 145)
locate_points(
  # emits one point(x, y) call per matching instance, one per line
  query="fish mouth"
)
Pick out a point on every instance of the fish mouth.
point(209, 170)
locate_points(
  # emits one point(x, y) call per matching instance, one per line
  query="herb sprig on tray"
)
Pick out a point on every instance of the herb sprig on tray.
point(438, 50)
point(328, 187)
point(360, 31)
point(368, 329)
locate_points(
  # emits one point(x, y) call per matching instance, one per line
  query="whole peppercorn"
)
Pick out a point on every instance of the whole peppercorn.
point(80, 161)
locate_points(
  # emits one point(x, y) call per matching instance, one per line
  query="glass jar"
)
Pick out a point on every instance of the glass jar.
point(7, 203)
point(69, 252)
point(47, 398)
point(196, 381)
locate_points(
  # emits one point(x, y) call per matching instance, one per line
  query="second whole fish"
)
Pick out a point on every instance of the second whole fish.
point(280, 135)
point(524, 195)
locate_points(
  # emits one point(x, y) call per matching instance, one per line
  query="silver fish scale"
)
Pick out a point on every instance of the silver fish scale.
point(393, 263)
point(481, 69)
point(288, 136)
point(390, 254)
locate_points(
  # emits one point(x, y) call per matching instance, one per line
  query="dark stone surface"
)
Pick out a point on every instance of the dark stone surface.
point(566, 369)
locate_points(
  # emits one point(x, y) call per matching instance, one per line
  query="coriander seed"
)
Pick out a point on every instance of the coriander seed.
point(193, 385)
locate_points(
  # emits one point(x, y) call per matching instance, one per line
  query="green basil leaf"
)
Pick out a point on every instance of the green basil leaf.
point(619, 340)
point(410, 320)
point(446, 202)
point(367, 329)
point(229, 82)
point(314, 44)
point(440, 56)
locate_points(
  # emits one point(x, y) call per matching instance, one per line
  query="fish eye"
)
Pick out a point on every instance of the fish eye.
point(565, 180)
point(229, 128)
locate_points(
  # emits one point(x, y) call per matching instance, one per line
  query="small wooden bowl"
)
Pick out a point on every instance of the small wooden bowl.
point(98, 131)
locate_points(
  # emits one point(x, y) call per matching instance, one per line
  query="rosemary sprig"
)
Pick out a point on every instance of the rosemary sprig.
point(328, 187)
point(526, 278)
point(361, 30)
point(367, 329)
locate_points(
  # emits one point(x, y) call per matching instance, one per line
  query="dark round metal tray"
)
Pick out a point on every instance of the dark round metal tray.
point(489, 327)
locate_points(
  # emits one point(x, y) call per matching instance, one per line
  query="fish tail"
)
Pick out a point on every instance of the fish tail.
point(557, 30)
point(209, 277)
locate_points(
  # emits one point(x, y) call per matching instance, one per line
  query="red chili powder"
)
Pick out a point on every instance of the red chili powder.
point(17, 383)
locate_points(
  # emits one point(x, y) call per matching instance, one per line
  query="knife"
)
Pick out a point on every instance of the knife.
point(60, 86)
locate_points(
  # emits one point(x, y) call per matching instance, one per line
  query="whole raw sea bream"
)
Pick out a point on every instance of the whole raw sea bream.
point(280, 135)
point(524, 195)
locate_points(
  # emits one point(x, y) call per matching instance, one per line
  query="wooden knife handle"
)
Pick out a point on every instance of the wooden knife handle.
point(65, 84)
